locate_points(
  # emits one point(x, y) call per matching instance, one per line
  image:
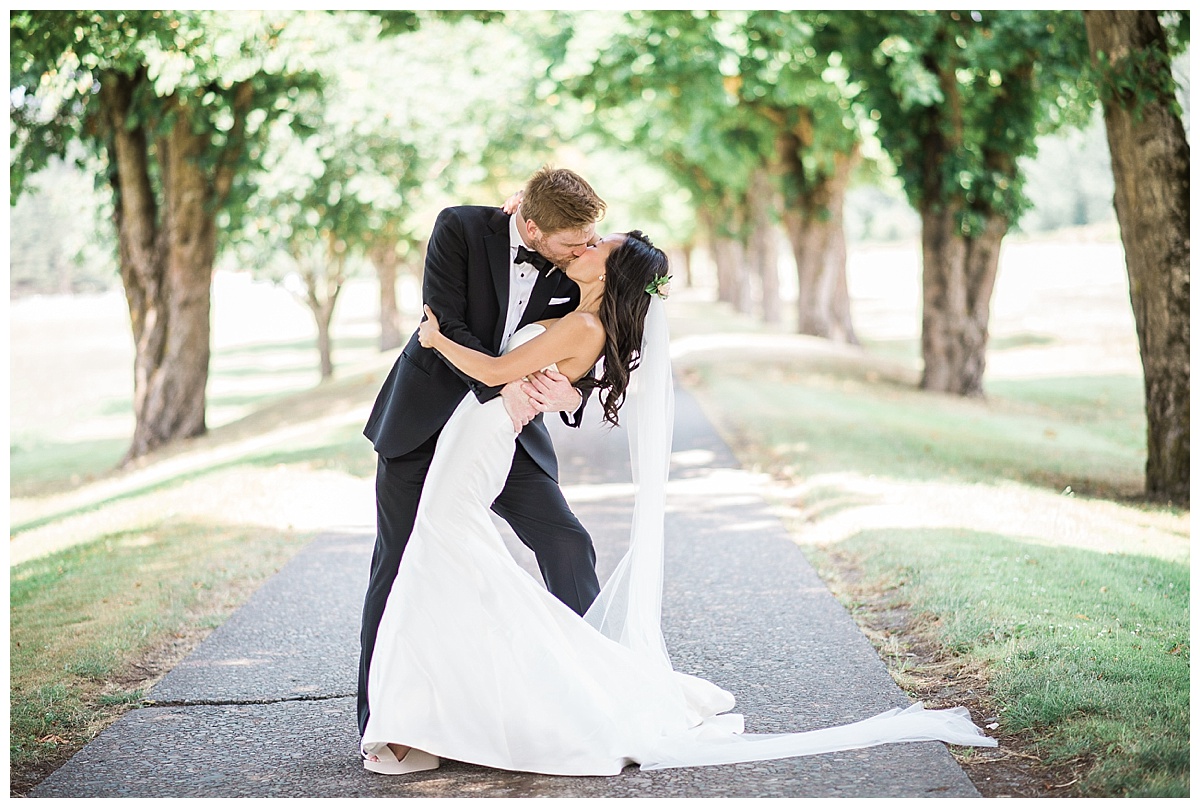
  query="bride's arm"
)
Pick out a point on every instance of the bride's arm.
point(569, 338)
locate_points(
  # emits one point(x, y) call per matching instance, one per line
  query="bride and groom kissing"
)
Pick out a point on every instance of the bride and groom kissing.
point(464, 655)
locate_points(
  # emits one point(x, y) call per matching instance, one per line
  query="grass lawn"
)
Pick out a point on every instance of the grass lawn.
point(92, 625)
point(1087, 655)
point(1008, 533)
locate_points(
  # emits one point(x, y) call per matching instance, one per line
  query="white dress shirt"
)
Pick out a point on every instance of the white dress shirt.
point(521, 278)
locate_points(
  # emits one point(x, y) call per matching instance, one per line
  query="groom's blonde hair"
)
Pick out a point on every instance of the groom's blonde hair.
point(559, 199)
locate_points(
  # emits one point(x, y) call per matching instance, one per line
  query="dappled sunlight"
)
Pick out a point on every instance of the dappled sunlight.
point(693, 458)
point(240, 663)
point(1020, 512)
point(705, 489)
point(286, 498)
point(716, 489)
point(597, 492)
point(752, 353)
point(195, 458)
point(140, 540)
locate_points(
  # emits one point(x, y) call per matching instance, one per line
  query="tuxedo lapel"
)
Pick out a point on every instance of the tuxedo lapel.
point(499, 257)
point(539, 297)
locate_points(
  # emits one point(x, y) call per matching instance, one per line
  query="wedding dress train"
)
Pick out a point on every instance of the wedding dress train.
point(475, 661)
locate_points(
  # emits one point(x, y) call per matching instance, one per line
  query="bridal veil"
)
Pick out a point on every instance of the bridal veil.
point(629, 606)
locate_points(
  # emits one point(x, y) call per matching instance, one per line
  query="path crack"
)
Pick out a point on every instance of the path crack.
point(237, 702)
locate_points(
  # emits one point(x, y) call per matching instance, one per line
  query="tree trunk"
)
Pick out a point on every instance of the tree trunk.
point(815, 225)
point(324, 342)
point(763, 251)
point(322, 312)
point(708, 225)
point(383, 257)
point(959, 274)
point(324, 276)
point(837, 289)
point(681, 264)
point(1151, 165)
point(731, 261)
point(728, 253)
point(166, 259)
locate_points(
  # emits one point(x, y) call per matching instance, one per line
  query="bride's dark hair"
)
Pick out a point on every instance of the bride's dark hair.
point(628, 271)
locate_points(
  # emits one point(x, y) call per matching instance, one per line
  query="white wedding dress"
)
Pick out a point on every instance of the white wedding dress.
point(475, 661)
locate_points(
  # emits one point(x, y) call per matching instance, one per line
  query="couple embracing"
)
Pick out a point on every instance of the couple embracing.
point(464, 655)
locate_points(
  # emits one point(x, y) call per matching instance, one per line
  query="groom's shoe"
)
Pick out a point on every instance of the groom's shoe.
point(414, 761)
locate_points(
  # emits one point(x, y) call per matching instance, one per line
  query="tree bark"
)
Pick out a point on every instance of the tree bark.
point(763, 251)
point(383, 257)
point(958, 270)
point(815, 224)
point(166, 251)
point(958, 277)
point(1151, 165)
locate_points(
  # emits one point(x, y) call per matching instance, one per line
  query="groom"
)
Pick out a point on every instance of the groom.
point(487, 274)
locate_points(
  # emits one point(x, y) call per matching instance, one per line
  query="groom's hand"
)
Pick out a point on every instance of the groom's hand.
point(517, 404)
point(550, 391)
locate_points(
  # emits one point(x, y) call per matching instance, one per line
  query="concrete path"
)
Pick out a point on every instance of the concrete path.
point(265, 706)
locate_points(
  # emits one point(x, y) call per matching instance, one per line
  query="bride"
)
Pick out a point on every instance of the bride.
point(477, 662)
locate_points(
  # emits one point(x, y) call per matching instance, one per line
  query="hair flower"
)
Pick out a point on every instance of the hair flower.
point(660, 286)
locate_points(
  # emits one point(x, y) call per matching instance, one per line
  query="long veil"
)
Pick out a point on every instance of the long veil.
point(629, 606)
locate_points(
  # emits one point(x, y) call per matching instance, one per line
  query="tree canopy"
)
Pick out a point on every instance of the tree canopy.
point(290, 133)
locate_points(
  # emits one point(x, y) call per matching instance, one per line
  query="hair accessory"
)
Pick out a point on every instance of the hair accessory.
point(660, 286)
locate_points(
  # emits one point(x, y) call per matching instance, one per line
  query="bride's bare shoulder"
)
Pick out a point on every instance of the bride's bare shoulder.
point(577, 323)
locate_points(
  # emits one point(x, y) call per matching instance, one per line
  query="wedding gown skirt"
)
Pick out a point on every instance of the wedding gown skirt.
point(475, 661)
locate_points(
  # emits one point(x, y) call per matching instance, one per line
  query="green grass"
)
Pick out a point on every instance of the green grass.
point(1111, 407)
point(42, 466)
point(805, 421)
point(344, 449)
point(81, 617)
point(1087, 653)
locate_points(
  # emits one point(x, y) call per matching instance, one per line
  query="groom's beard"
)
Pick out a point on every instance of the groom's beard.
point(560, 260)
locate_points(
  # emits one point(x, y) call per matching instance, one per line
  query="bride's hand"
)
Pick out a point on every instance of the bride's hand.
point(428, 328)
point(551, 391)
point(510, 204)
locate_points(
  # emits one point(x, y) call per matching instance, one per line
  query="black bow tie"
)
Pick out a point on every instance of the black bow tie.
point(539, 262)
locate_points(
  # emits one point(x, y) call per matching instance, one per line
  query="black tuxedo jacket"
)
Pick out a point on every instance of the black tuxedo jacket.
point(466, 284)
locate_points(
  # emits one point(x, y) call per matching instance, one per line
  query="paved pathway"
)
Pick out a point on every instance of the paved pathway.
point(265, 706)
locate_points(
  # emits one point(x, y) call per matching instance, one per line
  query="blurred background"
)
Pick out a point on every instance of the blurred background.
point(765, 150)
